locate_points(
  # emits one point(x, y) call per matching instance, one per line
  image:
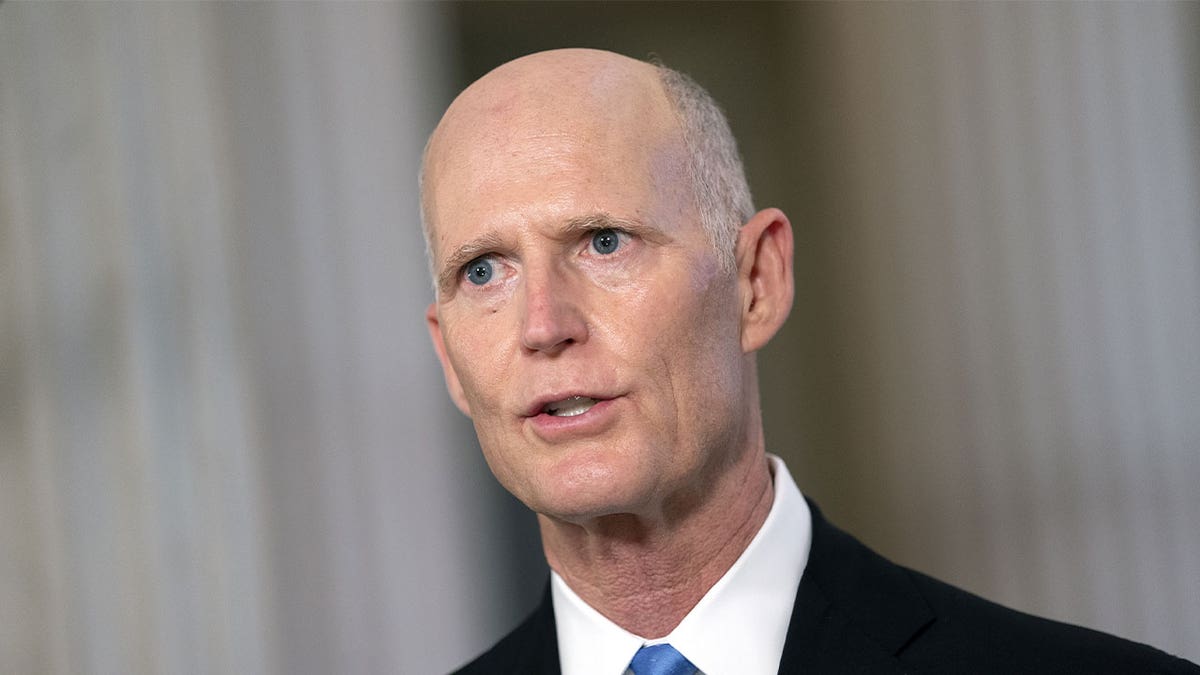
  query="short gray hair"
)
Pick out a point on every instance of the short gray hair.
point(718, 178)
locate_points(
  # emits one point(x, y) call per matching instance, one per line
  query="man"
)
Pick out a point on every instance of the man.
point(603, 284)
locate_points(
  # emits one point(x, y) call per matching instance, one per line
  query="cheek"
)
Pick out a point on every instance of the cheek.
point(705, 346)
point(704, 316)
point(473, 350)
point(686, 333)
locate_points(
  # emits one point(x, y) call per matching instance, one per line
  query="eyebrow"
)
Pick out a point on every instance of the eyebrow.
point(600, 221)
point(493, 240)
point(453, 264)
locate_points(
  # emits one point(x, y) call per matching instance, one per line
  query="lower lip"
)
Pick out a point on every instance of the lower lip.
point(553, 428)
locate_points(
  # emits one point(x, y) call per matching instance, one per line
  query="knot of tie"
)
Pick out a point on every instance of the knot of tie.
point(660, 660)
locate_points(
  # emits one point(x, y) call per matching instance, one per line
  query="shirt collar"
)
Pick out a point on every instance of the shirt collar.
point(738, 627)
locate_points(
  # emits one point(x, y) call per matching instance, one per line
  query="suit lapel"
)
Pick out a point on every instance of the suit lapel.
point(854, 610)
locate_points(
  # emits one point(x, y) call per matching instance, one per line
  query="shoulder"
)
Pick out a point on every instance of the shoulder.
point(927, 626)
point(972, 634)
point(532, 647)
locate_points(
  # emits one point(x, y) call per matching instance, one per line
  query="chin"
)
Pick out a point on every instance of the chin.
point(583, 488)
point(579, 509)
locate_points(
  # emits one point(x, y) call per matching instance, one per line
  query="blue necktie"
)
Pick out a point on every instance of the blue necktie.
point(660, 660)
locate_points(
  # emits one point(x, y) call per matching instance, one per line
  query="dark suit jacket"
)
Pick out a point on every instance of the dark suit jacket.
point(857, 612)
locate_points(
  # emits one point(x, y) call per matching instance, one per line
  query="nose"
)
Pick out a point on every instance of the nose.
point(553, 318)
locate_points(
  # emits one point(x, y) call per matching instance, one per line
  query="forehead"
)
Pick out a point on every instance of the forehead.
point(549, 149)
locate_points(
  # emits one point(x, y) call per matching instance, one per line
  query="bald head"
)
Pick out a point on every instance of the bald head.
point(598, 102)
point(553, 103)
point(551, 90)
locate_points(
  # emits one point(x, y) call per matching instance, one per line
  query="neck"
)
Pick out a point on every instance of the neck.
point(646, 574)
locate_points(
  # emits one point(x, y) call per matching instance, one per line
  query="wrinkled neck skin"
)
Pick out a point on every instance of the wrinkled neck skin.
point(646, 571)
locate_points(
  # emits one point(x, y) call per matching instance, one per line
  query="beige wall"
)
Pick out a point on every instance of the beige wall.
point(1006, 205)
point(225, 447)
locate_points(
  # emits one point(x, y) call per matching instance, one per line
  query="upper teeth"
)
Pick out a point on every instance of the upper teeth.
point(576, 405)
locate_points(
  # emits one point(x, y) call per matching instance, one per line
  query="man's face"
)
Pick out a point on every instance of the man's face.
point(583, 319)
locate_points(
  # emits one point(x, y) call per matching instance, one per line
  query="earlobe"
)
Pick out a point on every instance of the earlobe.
point(439, 346)
point(764, 258)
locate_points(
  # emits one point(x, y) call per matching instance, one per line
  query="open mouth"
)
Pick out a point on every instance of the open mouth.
point(569, 407)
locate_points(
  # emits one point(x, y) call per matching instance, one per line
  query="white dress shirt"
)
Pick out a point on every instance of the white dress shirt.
point(737, 628)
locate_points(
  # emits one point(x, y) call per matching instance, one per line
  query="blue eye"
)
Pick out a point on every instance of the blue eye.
point(479, 271)
point(606, 241)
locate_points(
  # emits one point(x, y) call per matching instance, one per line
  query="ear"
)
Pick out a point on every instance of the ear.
point(764, 260)
point(439, 346)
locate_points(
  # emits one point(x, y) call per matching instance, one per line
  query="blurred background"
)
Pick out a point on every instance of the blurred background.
point(225, 445)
